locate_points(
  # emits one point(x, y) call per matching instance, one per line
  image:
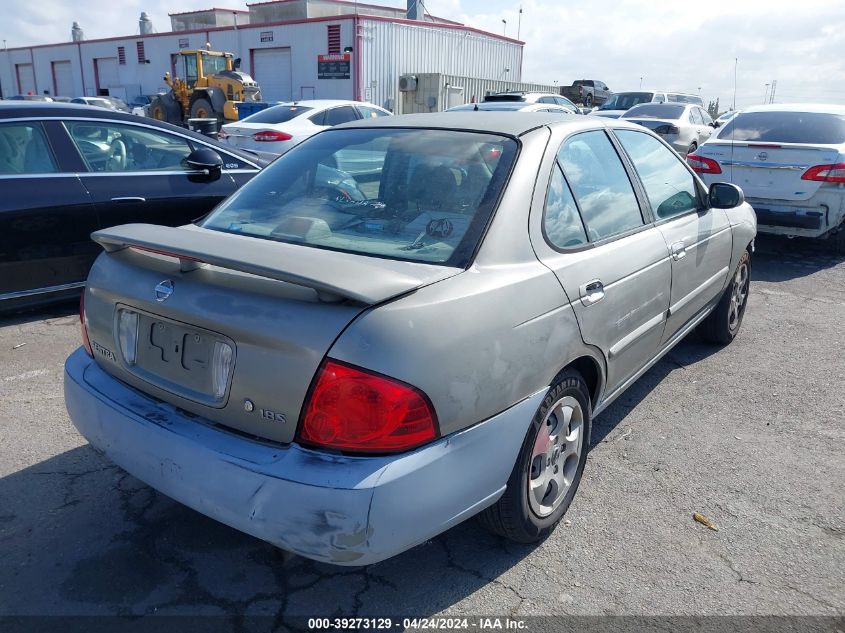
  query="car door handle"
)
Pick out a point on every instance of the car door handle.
point(129, 199)
point(592, 292)
point(678, 250)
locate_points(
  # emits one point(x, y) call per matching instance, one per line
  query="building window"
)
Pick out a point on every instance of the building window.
point(334, 39)
point(141, 56)
point(121, 55)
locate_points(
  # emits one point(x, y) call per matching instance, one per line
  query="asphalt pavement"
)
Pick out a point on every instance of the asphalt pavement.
point(751, 436)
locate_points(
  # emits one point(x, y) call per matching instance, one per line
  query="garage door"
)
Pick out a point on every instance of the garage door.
point(106, 73)
point(26, 79)
point(63, 79)
point(271, 69)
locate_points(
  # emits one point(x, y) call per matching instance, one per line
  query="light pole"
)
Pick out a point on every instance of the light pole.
point(765, 93)
point(641, 83)
point(736, 63)
point(504, 27)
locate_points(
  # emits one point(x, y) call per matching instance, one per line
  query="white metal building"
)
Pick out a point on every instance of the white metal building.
point(295, 49)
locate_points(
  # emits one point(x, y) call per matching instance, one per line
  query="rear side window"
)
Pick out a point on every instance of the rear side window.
point(600, 184)
point(562, 223)
point(669, 185)
point(786, 127)
point(24, 150)
point(276, 114)
point(343, 114)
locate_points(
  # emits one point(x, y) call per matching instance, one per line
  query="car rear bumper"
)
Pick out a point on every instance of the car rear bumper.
point(812, 218)
point(332, 508)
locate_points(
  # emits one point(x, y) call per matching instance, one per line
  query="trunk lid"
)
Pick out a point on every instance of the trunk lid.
point(770, 170)
point(279, 307)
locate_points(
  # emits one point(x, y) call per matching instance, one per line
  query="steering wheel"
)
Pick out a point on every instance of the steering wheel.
point(117, 156)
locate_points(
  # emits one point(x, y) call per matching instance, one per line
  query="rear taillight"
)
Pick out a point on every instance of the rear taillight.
point(221, 367)
point(703, 165)
point(271, 136)
point(351, 409)
point(826, 173)
point(127, 334)
point(83, 325)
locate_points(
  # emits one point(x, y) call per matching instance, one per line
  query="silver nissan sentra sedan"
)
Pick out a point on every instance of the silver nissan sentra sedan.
point(401, 323)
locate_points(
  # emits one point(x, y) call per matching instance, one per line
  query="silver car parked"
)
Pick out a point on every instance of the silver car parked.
point(402, 323)
point(684, 126)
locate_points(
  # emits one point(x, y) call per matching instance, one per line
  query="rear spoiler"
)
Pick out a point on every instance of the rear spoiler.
point(333, 275)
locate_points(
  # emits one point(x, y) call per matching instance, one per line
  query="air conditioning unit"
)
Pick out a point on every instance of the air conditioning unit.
point(407, 83)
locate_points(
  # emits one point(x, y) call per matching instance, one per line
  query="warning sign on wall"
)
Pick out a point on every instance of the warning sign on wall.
point(333, 66)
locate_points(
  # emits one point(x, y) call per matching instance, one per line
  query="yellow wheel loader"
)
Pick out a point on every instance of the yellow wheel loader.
point(210, 86)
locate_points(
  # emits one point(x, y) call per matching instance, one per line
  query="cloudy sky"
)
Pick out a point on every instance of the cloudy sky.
point(671, 44)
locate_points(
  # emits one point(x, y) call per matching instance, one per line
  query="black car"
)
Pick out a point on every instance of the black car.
point(68, 170)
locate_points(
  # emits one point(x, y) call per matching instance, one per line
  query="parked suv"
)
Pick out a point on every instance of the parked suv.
point(532, 97)
point(619, 103)
point(590, 92)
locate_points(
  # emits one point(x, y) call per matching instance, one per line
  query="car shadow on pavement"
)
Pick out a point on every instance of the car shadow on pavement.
point(781, 259)
point(689, 351)
point(80, 536)
point(39, 313)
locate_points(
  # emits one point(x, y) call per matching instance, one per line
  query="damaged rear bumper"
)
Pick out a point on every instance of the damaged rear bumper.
point(331, 508)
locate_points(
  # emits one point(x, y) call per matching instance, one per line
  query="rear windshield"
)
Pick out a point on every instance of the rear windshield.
point(785, 127)
point(654, 111)
point(625, 100)
point(411, 194)
point(276, 114)
point(679, 98)
point(504, 97)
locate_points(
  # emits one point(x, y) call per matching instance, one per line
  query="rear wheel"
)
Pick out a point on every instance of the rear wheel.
point(588, 101)
point(838, 241)
point(722, 325)
point(549, 466)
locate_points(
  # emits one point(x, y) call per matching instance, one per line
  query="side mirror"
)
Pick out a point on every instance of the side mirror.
point(237, 63)
point(205, 160)
point(724, 195)
point(713, 124)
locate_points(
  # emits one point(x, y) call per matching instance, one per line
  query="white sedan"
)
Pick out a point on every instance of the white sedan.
point(280, 127)
point(790, 162)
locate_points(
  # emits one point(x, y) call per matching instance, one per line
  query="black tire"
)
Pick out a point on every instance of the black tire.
point(513, 515)
point(837, 241)
point(588, 100)
point(202, 109)
point(165, 108)
point(722, 325)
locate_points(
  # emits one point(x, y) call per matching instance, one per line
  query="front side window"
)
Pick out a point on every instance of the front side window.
point(411, 194)
point(562, 223)
point(109, 147)
point(190, 70)
point(600, 184)
point(368, 112)
point(669, 185)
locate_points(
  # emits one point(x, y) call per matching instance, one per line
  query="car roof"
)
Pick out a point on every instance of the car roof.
point(323, 103)
point(826, 108)
point(506, 106)
point(506, 123)
point(61, 110)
